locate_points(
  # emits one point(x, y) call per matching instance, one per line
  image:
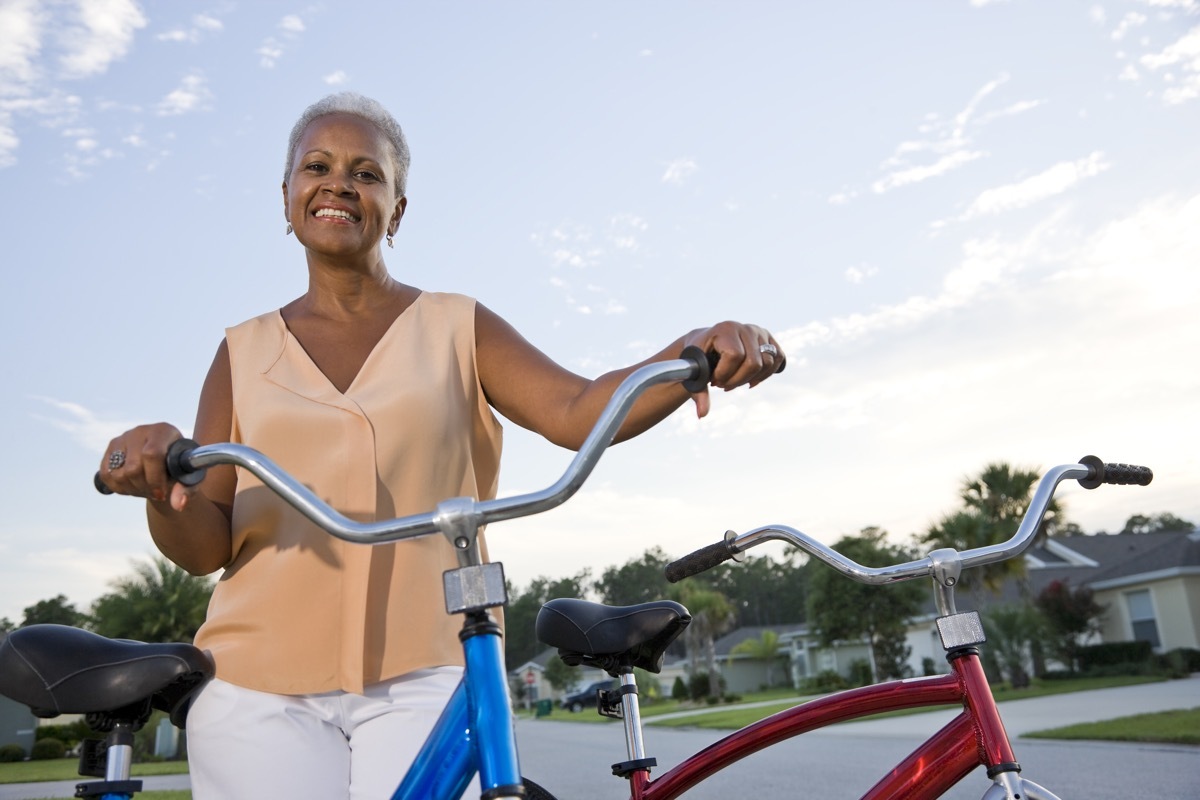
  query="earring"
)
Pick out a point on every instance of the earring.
point(289, 230)
point(390, 242)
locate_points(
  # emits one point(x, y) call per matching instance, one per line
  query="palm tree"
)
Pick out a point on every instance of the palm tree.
point(712, 614)
point(764, 648)
point(160, 602)
point(994, 503)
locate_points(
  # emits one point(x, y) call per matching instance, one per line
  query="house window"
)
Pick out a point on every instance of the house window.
point(1141, 617)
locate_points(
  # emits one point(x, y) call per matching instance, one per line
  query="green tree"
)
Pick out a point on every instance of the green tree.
point(1165, 522)
point(159, 602)
point(636, 581)
point(763, 590)
point(520, 637)
point(1071, 616)
point(55, 611)
point(560, 675)
point(7, 625)
point(842, 609)
point(765, 648)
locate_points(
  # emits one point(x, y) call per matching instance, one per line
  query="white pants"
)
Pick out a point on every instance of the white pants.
point(248, 745)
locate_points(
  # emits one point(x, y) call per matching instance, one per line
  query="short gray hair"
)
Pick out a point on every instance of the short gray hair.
point(366, 108)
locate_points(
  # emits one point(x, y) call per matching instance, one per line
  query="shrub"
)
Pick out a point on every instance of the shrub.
point(70, 734)
point(679, 689)
point(45, 749)
point(11, 752)
point(860, 672)
point(1182, 661)
point(1114, 654)
point(824, 681)
point(698, 686)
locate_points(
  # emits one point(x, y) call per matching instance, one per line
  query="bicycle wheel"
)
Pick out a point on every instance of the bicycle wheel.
point(535, 792)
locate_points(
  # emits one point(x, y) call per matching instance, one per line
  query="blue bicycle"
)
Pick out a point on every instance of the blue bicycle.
point(117, 684)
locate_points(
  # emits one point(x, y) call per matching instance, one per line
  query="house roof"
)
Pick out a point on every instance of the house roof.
point(1122, 556)
point(725, 645)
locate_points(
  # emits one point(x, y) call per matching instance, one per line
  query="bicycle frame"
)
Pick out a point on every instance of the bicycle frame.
point(475, 731)
point(975, 737)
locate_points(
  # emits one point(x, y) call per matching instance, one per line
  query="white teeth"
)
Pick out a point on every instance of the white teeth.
point(334, 212)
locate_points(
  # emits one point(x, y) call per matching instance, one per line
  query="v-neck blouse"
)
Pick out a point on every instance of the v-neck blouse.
point(298, 611)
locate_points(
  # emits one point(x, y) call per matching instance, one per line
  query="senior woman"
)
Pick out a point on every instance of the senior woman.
point(333, 659)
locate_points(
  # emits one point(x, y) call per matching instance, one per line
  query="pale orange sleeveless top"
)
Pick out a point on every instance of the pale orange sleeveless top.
point(298, 611)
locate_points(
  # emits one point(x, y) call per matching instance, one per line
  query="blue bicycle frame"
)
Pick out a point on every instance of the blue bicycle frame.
point(475, 731)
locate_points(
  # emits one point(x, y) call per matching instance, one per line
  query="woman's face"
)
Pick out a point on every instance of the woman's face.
point(340, 197)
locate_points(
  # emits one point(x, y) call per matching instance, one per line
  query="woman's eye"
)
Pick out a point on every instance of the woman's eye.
point(367, 175)
point(316, 167)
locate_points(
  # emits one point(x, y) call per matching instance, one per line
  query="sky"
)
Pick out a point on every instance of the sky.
point(974, 226)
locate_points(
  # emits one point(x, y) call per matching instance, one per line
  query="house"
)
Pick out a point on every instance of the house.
point(531, 677)
point(1148, 582)
point(17, 722)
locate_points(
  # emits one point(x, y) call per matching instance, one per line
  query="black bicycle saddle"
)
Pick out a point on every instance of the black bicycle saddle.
point(611, 637)
point(57, 669)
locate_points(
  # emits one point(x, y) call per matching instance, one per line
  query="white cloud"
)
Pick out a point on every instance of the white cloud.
point(1184, 56)
point(207, 23)
point(916, 174)
point(945, 144)
point(861, 273)
point(1053, 181)
point(21, 27)
point(1130, 21)
point(201, 24)
point(272, 49)
point(101, 33)
point(1055, 301)
point(192, 94)
point(336, 78)
point(679, 170)
point(291, 24)
point(83, 425)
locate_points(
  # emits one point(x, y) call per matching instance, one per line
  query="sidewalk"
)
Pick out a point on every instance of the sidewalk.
point(1041, 713)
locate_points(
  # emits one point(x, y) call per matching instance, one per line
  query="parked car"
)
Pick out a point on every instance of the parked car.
point(585, 697)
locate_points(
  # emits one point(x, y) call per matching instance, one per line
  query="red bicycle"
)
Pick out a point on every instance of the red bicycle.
point(618, 639)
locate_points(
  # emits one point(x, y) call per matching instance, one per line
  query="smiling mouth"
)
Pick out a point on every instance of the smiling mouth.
point(335, 213)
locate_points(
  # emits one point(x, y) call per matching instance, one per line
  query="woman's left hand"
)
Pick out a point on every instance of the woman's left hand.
point(748, 355)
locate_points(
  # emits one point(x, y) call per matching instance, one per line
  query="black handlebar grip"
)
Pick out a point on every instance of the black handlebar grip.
point(699, 561)
point(1117, 474)
point(176, 469)
point(705, 364)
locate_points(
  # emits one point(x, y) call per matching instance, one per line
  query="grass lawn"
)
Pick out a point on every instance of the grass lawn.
point(67, 769)
point(1172, 727)
point(165, 795)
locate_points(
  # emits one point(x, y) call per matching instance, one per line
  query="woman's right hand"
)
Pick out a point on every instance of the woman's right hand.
point(135, 464)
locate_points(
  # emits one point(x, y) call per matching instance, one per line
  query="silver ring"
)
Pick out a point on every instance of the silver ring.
point(768, 349)
point(116, 460)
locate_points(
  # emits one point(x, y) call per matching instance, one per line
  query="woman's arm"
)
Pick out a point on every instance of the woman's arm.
point(190, 525)
point(527, 387)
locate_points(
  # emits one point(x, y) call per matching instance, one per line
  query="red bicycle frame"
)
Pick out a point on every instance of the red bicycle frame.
point(974, 737)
